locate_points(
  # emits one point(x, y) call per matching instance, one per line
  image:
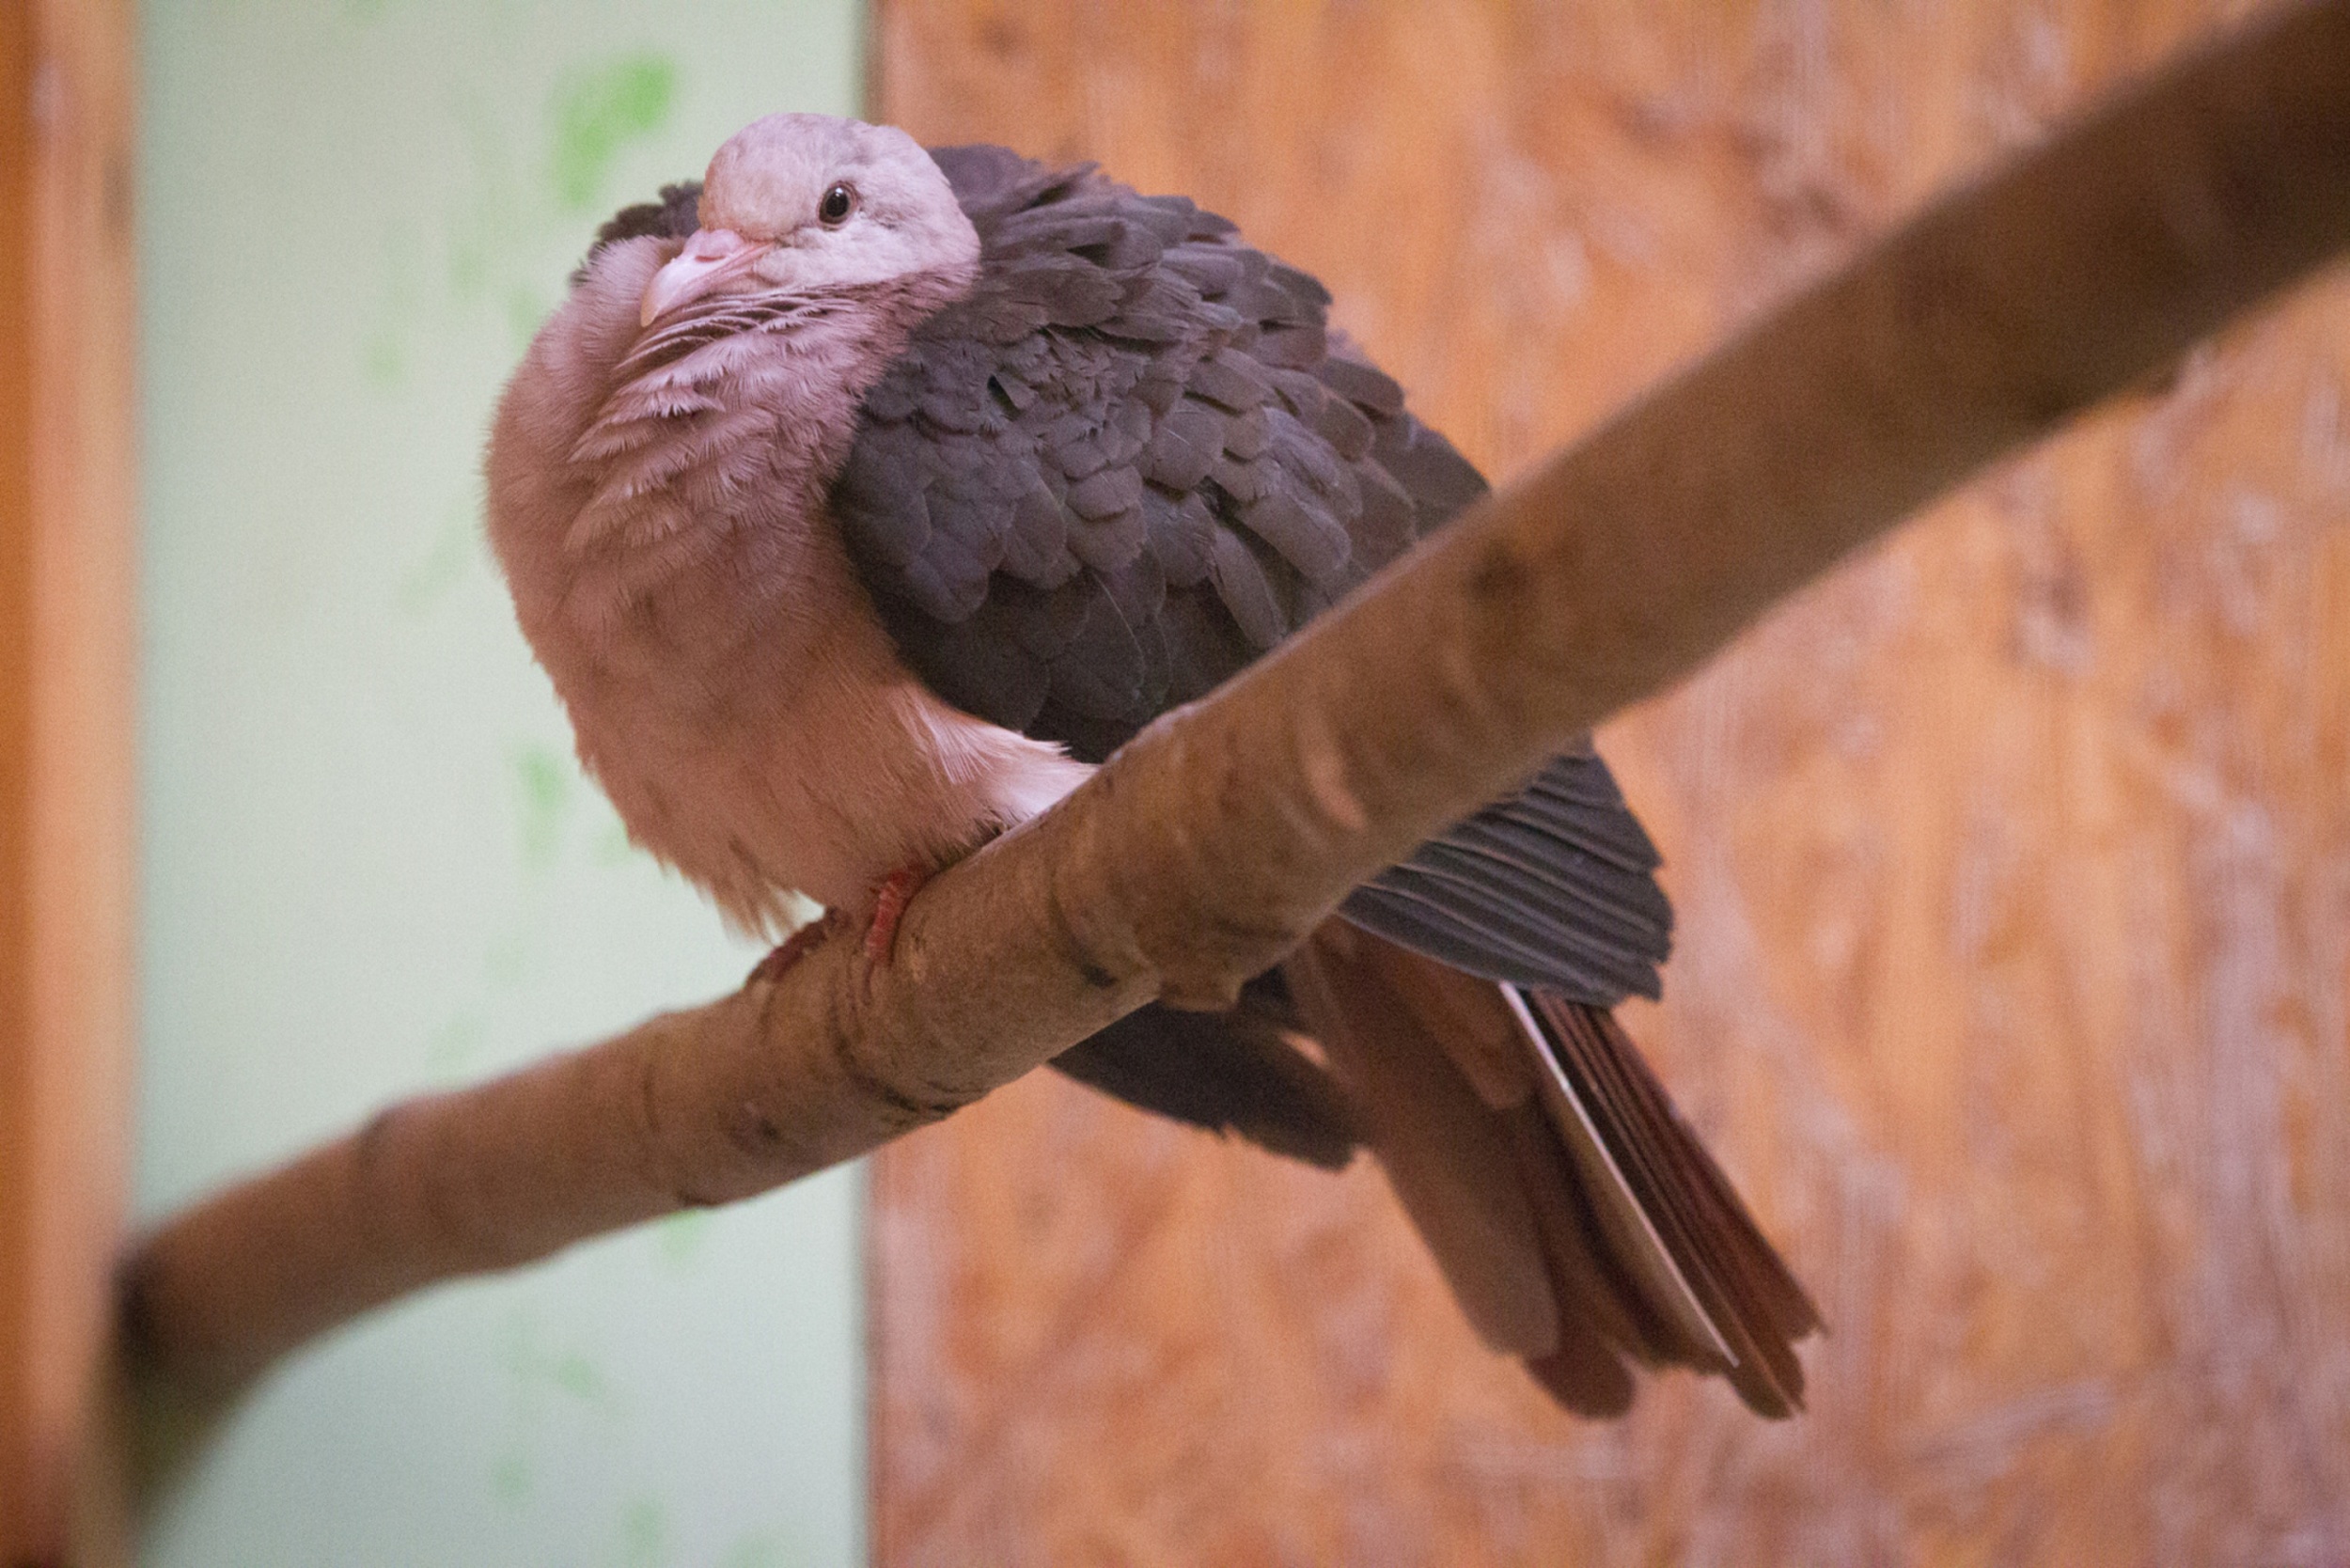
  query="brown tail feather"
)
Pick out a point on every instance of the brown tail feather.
point(1437, 1139)
point(1573, 1213)
point(1618, 1180)
point(1745, 1292)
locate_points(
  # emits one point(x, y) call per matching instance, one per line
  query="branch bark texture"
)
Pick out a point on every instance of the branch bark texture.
point(1215, 841)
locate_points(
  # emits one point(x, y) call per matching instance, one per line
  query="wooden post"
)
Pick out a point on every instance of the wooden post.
point(67, 544)
point(2009, 980)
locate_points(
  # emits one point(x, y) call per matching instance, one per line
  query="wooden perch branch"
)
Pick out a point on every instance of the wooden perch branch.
point(1219, 837)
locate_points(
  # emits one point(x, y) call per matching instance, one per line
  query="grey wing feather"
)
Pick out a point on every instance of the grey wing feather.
point(1553, 887)
point(1122, 406)
point(1132, 459)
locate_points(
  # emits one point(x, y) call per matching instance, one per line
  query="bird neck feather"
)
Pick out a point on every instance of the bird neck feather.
point(722, 431)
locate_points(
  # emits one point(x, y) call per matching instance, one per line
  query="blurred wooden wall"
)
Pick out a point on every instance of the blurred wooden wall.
point(67, 542)
point(2012, 866)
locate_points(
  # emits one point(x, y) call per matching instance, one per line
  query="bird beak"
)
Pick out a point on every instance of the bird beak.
point(711, 257)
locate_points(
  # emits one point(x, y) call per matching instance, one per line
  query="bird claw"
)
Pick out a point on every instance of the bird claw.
point(792, 949)
point(881, 939)
point(889, 906)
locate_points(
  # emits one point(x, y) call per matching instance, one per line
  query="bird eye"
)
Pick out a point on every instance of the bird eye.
point(839, 201)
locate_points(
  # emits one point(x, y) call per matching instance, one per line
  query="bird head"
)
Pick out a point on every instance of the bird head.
point(805, 203)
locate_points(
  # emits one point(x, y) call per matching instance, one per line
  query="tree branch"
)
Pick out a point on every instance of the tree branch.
point(1212, 843)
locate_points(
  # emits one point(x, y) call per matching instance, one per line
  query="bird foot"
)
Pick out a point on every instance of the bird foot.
point(792, 949)
point(889, 906)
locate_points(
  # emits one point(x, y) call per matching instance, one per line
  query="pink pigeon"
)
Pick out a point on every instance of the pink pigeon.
point(860, 500)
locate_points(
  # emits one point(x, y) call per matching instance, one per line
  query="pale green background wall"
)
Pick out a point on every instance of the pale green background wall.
point(370, 865)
